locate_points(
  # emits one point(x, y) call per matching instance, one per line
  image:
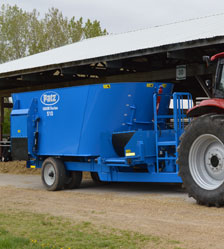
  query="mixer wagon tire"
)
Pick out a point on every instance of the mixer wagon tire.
point(53, 174)
point(74, 180)
point(201, 159)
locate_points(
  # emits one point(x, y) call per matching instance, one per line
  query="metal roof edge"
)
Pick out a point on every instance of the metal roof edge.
point(129, 54)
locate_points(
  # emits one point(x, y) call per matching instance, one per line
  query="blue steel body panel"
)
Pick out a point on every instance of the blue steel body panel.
point(142, 144)
point(19, 127)
point(79, 121)
point(61, 123)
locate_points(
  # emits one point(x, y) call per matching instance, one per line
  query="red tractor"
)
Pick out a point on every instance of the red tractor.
point(201, 150)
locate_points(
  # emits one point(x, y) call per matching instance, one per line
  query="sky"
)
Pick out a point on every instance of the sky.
point(119, 16)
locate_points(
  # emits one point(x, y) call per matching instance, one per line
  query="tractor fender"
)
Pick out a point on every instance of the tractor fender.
point(207, 106)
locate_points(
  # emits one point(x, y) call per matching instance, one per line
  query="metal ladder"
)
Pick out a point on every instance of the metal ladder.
point(179, 122)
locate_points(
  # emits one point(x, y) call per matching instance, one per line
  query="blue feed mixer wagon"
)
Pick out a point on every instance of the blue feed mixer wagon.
point(118, 132)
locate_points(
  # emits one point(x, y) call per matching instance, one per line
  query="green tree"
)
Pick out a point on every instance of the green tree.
point(36, 37)
point(6, 124)
point(75, 29)
point(25, 33)
point(93, 29)
point(13, 32)
point(56, 30)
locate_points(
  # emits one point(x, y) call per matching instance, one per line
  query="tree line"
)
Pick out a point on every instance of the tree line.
point(25, 33)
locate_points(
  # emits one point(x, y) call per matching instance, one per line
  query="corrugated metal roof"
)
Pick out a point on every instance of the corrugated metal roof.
point(190, 30)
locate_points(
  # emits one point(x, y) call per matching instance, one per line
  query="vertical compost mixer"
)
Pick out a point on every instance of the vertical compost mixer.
point(124, 132)
point(118, 132)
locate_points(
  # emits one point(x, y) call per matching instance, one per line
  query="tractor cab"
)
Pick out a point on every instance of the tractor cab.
point(218, 88)
point(215, 103)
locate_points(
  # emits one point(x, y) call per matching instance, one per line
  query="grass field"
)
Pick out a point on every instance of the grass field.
point(24, 230)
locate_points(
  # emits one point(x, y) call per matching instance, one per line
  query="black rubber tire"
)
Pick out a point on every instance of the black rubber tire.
point(209, 124)
point(95, 177)
point(73, 180)
point(58, 176)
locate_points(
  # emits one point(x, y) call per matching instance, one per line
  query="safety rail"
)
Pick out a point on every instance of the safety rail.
point(180, 117)
point(181, 101)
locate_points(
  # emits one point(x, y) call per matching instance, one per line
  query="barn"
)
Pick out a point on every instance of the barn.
point(167, 53)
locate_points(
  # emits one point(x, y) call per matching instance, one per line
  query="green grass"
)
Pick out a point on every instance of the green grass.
point(7, 241)
point(24, 230)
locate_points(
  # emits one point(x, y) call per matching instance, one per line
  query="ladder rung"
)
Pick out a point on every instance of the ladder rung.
point(164, 116)
point(167, 158)
point(167, 143)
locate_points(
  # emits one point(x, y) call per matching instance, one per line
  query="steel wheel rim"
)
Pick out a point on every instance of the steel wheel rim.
point(49, 174)
point(206, 162)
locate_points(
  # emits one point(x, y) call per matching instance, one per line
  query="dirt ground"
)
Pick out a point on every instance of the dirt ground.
point(17, 167)
point(160, 210)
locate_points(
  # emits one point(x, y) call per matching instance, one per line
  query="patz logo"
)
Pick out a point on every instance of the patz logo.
point(49, 98)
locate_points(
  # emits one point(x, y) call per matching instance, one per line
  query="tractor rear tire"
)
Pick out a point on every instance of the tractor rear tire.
point(74, 180)
point(53, 174)
point(201, 159)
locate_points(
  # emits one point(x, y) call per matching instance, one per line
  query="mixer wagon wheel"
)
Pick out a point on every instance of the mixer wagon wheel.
point(74, 180)
point(201, 159)
point(53, 174)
